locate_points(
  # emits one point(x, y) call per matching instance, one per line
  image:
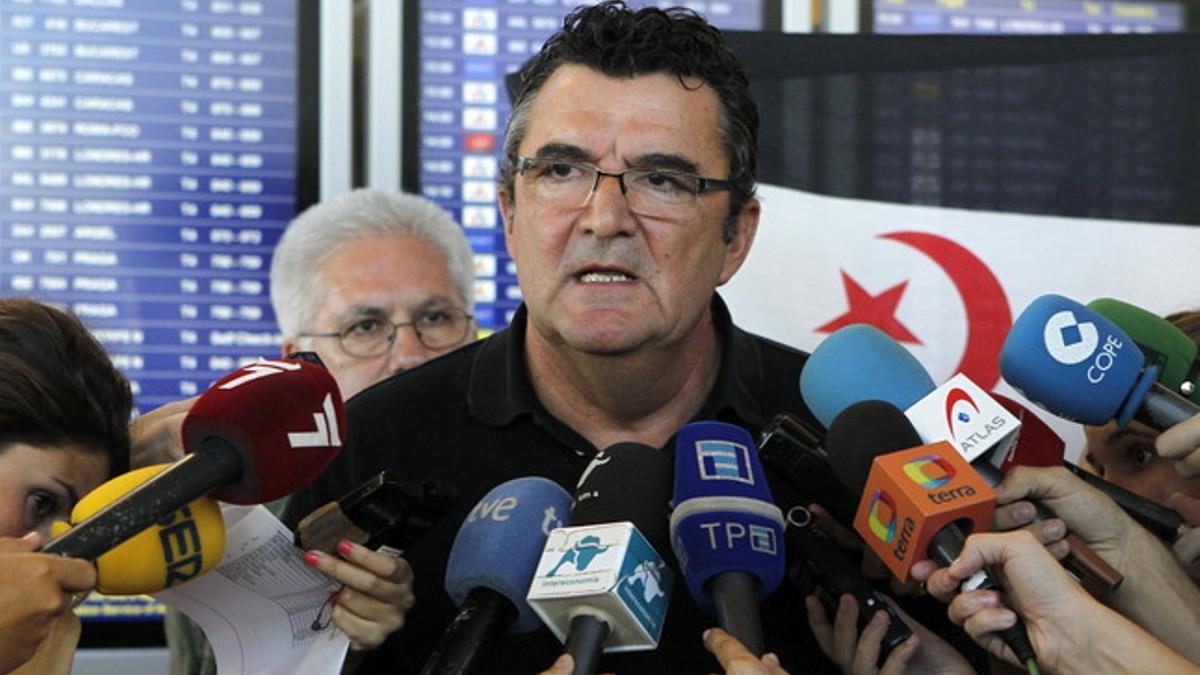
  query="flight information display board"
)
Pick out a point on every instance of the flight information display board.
point(1026, 17)
point(466, 49)
point(148, 165)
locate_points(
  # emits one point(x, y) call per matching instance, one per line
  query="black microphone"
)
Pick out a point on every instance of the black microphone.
point(1165, 523)
point(871, 429)
point(601, 584)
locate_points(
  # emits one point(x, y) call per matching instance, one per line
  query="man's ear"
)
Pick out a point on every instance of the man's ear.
point(745, 227)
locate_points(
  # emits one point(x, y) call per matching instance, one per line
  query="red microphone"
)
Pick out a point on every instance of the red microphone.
point(1037, 444)
point(261, 432)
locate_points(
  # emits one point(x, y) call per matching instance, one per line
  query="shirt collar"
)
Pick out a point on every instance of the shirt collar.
point(500, 389)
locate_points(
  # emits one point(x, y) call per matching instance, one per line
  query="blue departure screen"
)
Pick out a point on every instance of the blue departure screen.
point(147, 169)
point(1023, 17)
point(467, 47)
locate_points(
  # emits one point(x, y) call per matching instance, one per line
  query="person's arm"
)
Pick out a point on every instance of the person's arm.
point(377, 592)
point(36, 593)
point(1182, 443)
point(155, 438)
point(1157, 592)
point(1071, 631)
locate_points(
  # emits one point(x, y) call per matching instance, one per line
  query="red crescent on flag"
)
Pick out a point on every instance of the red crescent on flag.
point(988, 316)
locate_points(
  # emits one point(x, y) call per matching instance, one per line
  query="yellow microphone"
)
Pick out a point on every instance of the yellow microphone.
point(179, 547)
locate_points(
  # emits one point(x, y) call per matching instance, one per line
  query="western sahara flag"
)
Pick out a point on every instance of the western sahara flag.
point(934, 186)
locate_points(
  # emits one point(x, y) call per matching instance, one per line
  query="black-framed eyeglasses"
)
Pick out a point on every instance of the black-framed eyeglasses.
point(372, 336)
point(649, 191)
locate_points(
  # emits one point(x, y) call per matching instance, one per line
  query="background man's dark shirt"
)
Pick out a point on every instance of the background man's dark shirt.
point(471, 419)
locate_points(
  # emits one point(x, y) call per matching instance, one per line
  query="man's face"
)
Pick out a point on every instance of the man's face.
point(597, 277)
point(375, 280)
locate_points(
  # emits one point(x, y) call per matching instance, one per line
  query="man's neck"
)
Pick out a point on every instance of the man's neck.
point(641, 397)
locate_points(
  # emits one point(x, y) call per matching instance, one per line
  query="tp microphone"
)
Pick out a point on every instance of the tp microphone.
point(915, 499)
point(177, 548)
point(1077, 364)
point(1162, 343)
point(600, 584)
point(857, 358)
point(261, 432)
point(726, 529)
point(492, 561)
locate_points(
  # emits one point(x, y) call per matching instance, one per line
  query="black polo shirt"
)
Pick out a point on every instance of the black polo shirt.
point(471, 418)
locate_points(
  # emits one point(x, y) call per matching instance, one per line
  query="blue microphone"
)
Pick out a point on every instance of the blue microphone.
point(726, 529)
point(492, 561)
point(857, 362)
point(1077, 364)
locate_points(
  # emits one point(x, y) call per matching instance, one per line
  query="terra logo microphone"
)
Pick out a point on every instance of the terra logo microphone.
point(726, 529)
point(493, 559)
point(1077, 364)
point(600, 584)
point(241, 446)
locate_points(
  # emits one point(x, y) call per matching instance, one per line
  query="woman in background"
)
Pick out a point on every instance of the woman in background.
point(64, 415)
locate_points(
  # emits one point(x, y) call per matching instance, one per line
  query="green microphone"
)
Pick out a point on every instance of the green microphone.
point(1162, 342)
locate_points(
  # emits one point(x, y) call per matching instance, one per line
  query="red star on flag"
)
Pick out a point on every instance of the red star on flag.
point(876, 310)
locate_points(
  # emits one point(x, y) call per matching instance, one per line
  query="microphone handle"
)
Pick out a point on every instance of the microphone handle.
point(177, 485)
point(1163, 522)
point(1163, 408)
point(735, 595)
point(585, 642)
point(484, 617)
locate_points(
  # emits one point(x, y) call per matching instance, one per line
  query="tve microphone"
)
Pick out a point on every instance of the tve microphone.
point(261, 432)
point(1162, 342)
point(915, 499)
point(1079, 365)
point(726, 529)
point(857, 358)
point(492, 561)
point(177, 548)
point(600, 584)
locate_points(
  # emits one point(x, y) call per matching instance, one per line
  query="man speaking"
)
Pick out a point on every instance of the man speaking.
point(627, 198)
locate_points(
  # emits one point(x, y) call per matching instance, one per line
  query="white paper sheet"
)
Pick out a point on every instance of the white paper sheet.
point(263, 610)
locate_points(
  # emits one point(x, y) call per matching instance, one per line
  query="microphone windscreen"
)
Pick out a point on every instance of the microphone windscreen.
point(181, 546)
point(285, 420)
point(724, 519)
point(1073, 362)
point(857, 363)
point(860, 433)
point(500, 542)
point(626, 481)
point(1161, 341)
point(1037, 444)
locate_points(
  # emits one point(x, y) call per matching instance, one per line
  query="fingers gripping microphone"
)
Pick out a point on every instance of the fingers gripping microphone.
point(178, 548)
point(726, 529)
point(1077, 364)
point(916, 500)
point(600, 584)
point(259, 433)
point(492, 561)
point(1162, 342)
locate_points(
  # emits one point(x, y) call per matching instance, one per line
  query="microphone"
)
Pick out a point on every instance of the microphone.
point(1036, 443)
point(1165, 523)
point(916, 498)
point(493, 558)
point(261, 432)
point(1077, 364)
point(177, 548)
point(1162, 343)
point(857, 358)
point(726, 529)
point(792, 450)
point(600, 584)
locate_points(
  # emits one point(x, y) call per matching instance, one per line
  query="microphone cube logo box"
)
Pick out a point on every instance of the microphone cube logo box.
point(608, 571)
point(966, 416)
point(913, 494)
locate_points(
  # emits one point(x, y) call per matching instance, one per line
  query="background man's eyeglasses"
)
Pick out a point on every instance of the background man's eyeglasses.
point(373, 336)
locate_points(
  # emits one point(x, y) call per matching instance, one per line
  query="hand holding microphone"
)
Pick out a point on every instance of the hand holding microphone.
point(1070, 630)
point(1182, 443)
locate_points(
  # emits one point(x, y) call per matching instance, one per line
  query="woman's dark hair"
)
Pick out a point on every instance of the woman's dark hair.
point(1188, 322)
point(617, 41)
point(58, 387)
